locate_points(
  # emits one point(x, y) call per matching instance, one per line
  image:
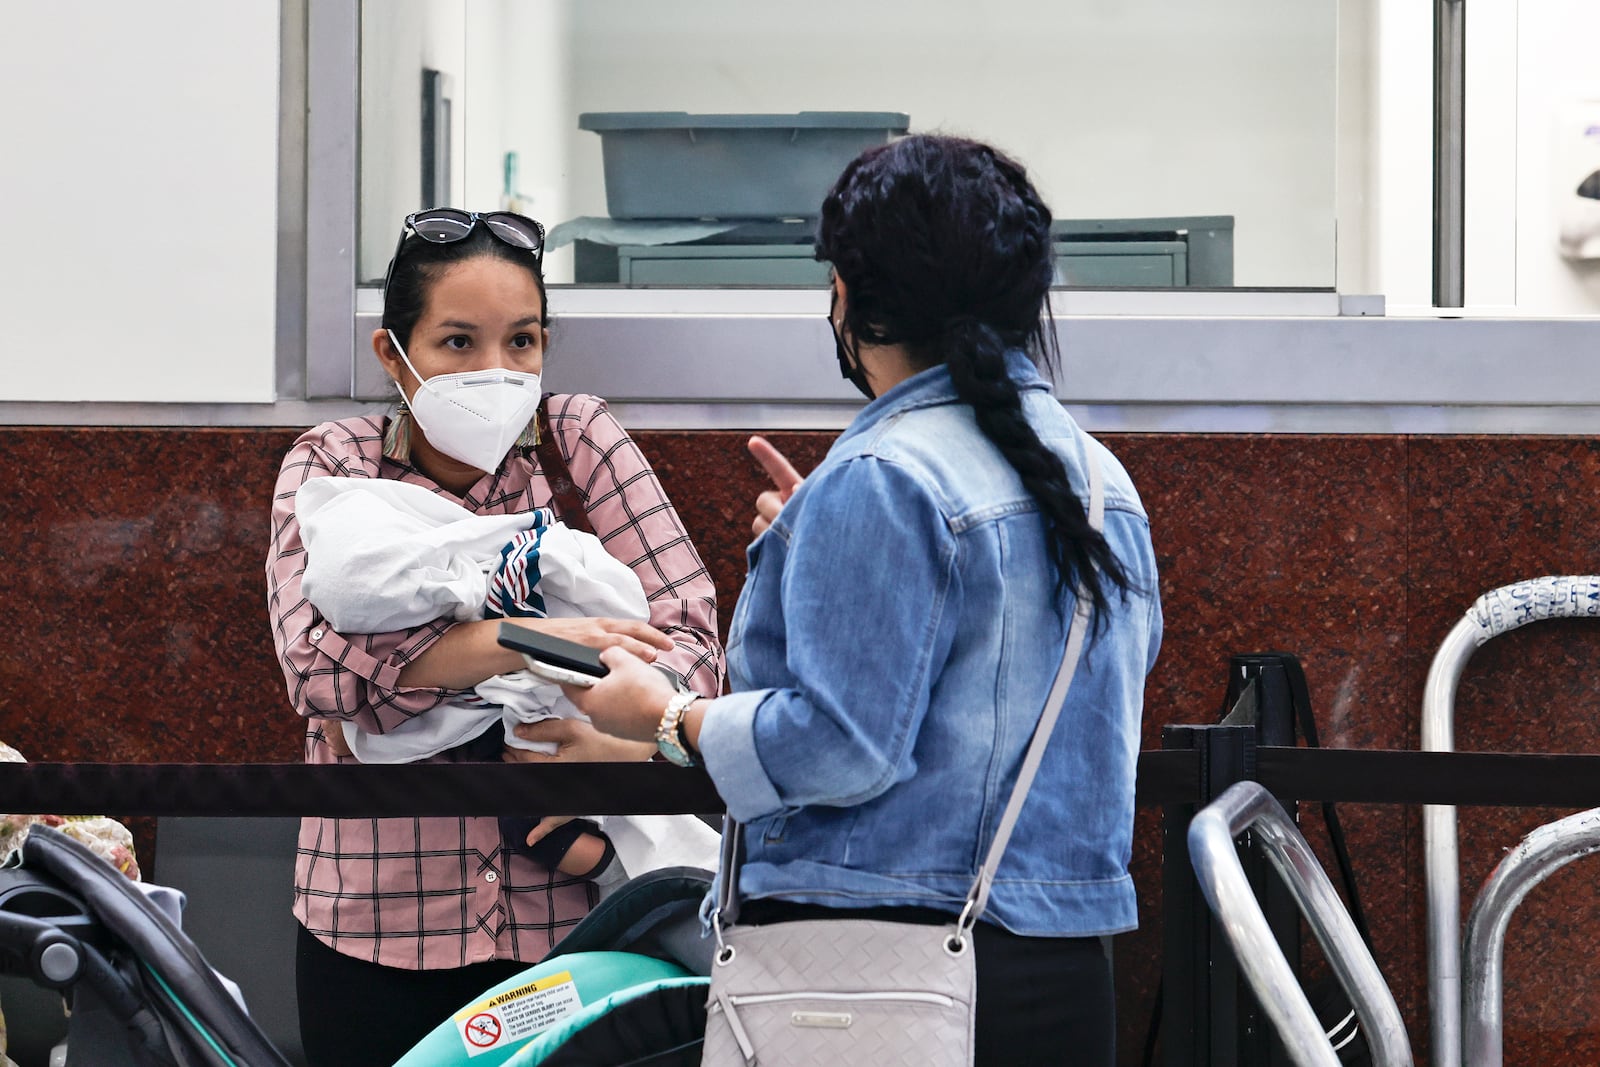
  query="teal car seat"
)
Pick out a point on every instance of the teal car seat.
point(626, 988)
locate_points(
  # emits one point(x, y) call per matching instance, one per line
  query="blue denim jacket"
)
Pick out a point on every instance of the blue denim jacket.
point(890, 655)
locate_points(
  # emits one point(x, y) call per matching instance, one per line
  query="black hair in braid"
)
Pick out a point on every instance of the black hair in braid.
point(944, 247)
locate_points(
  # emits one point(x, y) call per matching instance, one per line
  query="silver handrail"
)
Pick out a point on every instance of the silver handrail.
point(1496, 612)
point(1247, 805)
point(1539, 855)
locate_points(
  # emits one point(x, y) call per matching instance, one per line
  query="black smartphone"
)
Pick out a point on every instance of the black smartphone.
point(553, 658)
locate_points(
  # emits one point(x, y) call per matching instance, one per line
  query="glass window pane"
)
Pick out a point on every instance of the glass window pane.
point(1178, 144)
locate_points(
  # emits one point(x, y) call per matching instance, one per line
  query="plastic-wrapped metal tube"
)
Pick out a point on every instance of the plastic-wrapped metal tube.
point(1248, 806)
point(1496, 612)
point(1540, 854)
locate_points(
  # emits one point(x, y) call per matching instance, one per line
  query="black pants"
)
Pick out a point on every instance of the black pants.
point(1042, 1001)
point(359, 1014)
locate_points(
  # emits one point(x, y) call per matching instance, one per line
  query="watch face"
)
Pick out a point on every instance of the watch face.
point(669, 734)
point(674, 752)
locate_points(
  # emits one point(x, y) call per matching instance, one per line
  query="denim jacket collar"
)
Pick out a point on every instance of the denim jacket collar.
point(934, 386)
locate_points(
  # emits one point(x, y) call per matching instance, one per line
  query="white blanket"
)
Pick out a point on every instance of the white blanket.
point(384, 555)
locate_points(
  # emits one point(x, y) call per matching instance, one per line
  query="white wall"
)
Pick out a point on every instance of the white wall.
point(519, 98)
point(399, 38)
point(1528, 64)
point(1403, 134)
point(1401, 139)
point(508, 63)
point(1557, 68)
point(1355, 162)
point(141, 171)
point(1119, 107)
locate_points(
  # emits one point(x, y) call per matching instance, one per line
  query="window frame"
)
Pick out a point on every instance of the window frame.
point(1155, 361)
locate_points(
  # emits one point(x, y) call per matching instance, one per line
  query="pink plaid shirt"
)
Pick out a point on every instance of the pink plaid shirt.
point(439, 892)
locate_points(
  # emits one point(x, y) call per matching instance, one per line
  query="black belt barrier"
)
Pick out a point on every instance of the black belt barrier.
point(1377, 776)
point(355, 790)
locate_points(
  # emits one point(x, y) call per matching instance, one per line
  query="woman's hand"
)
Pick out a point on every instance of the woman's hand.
point(628, 701)
point(545, 827)
point(635, 635)
point(579, 742)
point(784, 477)
point(333, 736)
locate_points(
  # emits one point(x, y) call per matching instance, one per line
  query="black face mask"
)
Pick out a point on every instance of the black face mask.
point(849, 368)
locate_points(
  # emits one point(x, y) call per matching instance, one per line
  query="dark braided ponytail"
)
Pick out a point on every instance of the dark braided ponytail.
point(944, 248)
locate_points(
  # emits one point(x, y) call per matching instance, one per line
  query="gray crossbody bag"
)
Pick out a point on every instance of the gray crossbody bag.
point(841, 992)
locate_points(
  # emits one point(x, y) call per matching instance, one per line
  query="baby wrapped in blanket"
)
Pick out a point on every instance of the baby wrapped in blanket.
point(383, 556)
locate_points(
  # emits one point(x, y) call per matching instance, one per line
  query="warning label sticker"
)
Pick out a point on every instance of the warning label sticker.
point(517, 1014)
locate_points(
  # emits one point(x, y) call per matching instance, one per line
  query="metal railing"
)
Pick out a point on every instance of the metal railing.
point(1539, 855)
point(1248, 806)
point(1496, 612)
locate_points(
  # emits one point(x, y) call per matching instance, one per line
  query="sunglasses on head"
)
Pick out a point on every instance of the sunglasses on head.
point(447, 225)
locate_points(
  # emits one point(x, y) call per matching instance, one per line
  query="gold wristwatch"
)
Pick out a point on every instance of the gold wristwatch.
point(669, 733)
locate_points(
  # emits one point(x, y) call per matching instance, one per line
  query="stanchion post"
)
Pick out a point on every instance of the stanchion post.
point(1200, 1006)
point(1260, 1043)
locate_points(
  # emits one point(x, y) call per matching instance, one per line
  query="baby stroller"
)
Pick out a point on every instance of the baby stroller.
point(141, 993)
point(626, 987)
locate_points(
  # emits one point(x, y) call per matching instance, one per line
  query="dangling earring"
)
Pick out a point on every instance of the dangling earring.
point(398, 444)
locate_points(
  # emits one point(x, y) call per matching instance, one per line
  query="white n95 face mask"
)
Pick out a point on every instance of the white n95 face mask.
point(472, 416)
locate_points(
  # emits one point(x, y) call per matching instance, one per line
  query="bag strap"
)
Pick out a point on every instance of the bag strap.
point(726, 913)
point(568, 503)
point(727, 908)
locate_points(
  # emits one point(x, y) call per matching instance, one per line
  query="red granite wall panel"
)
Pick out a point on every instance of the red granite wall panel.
point(133, 586)
point(1486, 512)
point(135, 596)
point(1274, 543)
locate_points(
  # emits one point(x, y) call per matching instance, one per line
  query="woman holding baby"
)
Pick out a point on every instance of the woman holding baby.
point(404, 920)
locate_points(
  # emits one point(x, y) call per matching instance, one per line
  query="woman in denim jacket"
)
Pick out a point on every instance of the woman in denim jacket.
point(907, 608)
